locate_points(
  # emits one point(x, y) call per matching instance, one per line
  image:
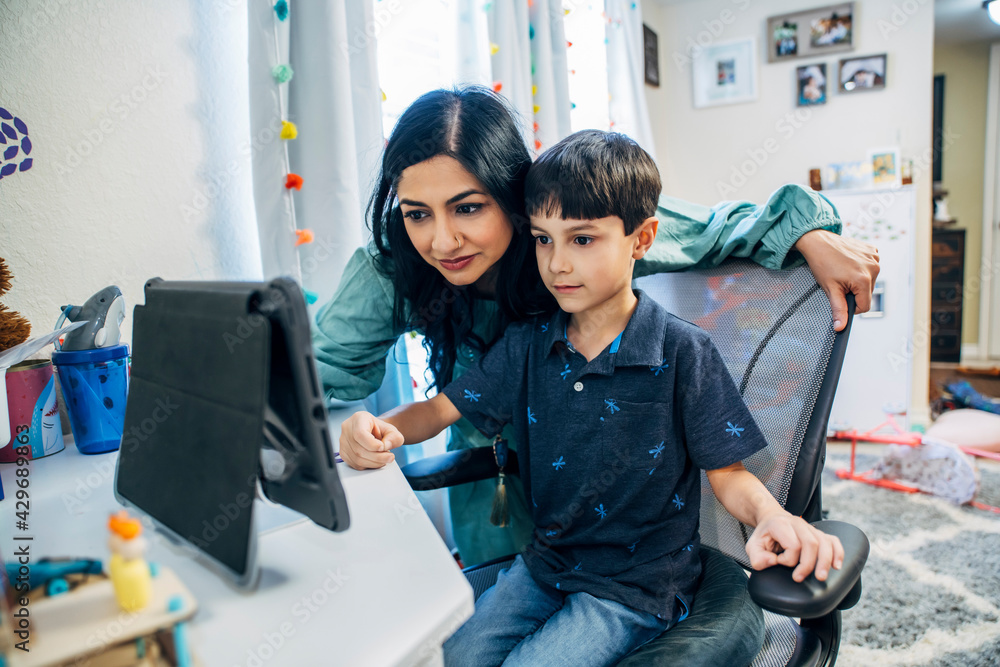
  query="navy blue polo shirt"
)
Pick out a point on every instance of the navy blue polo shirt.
point(610, 450)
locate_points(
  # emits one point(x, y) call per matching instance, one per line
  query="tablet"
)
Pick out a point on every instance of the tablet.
point(223, 377)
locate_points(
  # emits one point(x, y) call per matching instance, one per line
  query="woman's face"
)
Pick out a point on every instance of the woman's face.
point(453, 222)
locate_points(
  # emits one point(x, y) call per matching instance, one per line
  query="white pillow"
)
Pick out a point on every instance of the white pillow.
point(968, 428)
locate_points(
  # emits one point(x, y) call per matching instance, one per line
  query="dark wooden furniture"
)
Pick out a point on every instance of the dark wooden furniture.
point(947, 276)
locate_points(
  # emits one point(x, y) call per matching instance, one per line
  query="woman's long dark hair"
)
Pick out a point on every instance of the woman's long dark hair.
point(475, 127)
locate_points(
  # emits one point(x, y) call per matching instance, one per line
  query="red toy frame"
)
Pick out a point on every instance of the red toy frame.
point(897, 437)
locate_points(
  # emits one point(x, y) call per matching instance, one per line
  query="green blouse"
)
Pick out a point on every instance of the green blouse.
point(354, 331)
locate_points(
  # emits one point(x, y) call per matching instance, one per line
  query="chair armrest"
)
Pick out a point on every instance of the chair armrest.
point(774, 590)
point(458, 467)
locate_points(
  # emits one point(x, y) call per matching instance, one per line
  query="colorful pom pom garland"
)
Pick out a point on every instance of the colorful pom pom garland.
point(303, 236)
point(282, 73)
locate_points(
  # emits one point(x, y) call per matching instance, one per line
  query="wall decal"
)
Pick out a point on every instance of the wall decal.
point(15, 145)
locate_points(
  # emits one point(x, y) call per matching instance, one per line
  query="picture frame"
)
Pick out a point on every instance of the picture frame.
point(651, 56)
point(725, 73)
point(850, 175)
point(862, 73)
point(938, 125)
point(885, 167)
point(811, 33)
point(811, 85)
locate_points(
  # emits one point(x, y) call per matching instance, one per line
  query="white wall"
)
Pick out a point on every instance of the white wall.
point(137, 115)
point(699, 150)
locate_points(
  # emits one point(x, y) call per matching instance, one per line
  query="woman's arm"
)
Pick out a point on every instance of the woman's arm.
point(841, 266)
point(354, 331)
point(794, 223)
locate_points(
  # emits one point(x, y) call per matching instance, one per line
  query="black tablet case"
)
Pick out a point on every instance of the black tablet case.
point(214, 365)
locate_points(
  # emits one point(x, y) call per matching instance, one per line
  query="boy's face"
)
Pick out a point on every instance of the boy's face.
point(587, 263)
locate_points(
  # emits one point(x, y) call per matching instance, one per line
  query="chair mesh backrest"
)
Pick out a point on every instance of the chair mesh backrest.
point(774, 332)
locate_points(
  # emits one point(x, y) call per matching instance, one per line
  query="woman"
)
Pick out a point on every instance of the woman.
point(453, 259)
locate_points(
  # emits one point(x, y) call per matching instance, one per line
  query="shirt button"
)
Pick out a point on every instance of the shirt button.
point(578, 386)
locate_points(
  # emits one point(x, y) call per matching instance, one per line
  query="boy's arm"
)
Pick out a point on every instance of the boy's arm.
point(366, 440)
point(779, 537)
point(424, 419)
point(486, 393)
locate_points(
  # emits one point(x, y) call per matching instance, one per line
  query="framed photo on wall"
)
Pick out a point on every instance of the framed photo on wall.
point(864, 73)
point(725, 73)
point(811, 84)
point(811, 33)
point(651, 56)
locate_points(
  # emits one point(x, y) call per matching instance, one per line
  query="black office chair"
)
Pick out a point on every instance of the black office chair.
point(773, 330)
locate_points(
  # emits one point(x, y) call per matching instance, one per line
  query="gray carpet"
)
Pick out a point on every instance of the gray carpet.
point(932, 583)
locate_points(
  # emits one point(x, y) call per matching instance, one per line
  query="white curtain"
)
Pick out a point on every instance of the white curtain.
point(472, 43)
point(268, 47)
point(334, 101)
point(626, 72)
point(529, 66)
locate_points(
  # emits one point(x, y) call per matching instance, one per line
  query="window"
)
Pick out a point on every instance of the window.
point(584, 23)
point(429, 44)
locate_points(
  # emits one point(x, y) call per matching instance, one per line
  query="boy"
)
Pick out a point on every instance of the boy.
point(617, 405)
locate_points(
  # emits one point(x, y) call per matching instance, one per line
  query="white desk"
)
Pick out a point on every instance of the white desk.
point(384, 592)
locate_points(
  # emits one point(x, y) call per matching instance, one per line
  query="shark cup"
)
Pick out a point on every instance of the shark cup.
point(95, 386)
point(33, 413)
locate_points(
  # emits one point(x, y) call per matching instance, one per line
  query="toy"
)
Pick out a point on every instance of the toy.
point(128, 569)
point(897, 436)
point(14, 329)
point(103, 312)
point(86, 627)
point(965, 395)
point(57, 575)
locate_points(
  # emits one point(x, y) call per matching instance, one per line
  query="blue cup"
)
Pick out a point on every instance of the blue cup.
point(95, 386)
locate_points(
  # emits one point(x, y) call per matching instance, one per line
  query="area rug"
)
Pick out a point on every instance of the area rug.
point(931, 592)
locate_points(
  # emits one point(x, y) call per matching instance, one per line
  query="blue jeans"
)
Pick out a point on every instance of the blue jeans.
point(520, 622)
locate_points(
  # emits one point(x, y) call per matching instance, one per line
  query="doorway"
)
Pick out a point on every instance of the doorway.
point(965, 269)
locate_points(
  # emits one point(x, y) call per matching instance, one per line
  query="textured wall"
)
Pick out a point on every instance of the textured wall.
point(139, 126)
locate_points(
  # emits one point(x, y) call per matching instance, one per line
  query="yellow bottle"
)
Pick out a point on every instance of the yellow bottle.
point(129, 571)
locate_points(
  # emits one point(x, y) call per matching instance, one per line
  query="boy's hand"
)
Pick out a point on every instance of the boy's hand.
point(365, 441)
point(783, 539)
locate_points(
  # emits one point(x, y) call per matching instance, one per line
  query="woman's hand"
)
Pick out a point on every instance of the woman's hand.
point(783, 539)
point(841, 265)
point(365, 441)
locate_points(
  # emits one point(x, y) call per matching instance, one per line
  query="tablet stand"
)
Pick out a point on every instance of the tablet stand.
point(223, 378)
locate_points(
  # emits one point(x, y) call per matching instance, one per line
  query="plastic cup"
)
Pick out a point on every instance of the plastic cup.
point(95, 386)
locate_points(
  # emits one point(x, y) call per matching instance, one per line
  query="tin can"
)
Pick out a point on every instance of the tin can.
point(34, 415)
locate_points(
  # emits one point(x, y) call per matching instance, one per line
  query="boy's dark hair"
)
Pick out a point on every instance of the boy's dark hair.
point(593, 174)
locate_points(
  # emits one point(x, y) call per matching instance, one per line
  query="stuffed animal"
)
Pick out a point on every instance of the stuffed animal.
point(14, 329)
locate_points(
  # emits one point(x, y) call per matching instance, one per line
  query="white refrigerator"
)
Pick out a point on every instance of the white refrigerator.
point(877, 369)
